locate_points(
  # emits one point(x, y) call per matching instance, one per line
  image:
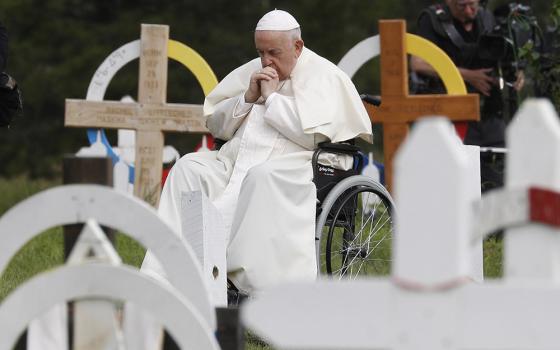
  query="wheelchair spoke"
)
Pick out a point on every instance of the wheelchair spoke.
point(365, 245)
point(358, 232)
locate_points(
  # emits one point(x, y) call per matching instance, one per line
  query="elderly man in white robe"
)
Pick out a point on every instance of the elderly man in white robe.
point(272, 111)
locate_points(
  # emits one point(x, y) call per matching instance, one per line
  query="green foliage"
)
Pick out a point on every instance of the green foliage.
point(130, 251)
point(544, 65)
point(56, 46)
point(255, 343)
point(493, 257)
point(41, 253)
point(17, 189)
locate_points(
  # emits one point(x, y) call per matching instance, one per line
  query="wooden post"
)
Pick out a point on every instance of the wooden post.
point(230, 333)
point(82, 170)
point(398, 109)
point(150, 117)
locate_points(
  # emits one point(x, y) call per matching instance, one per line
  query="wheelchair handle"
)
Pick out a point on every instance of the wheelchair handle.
point(372, 100)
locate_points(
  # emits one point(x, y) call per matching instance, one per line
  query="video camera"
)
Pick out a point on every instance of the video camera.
point(515, 26)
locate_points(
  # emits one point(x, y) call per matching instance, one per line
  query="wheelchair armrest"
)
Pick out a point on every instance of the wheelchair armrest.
point(339, 147)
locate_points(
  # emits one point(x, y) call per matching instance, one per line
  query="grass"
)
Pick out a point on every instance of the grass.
point(45, 251)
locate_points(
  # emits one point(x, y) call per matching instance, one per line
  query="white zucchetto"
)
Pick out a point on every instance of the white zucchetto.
point(277, 20)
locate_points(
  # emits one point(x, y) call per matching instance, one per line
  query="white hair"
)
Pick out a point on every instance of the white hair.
point(295, 33)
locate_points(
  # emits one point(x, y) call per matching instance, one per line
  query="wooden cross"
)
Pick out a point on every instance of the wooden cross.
point(150, 117)
point(398, 109)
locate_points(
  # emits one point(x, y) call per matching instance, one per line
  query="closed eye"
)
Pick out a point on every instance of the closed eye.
point(271, 52)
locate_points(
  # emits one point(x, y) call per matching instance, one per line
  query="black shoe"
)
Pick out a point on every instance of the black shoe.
point(234, 296)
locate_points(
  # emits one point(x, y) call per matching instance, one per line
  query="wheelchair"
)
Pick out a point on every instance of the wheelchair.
point(354, 217)
point(354, 214)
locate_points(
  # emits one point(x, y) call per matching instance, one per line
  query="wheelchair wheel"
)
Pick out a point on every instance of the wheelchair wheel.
point(355, 229)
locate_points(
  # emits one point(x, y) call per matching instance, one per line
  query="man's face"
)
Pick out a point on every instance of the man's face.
point(463, 10)
point(278, 50)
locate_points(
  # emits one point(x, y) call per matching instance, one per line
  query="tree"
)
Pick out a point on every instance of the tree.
point(56, 45)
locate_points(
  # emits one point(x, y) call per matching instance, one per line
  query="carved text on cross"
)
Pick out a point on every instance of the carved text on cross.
point(150, 117)
point(397, 107)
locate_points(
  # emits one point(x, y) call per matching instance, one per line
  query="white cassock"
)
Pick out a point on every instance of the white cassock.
point(261, 179)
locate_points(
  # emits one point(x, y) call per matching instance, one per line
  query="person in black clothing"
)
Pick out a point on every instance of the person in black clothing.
point(3, 47)
point(10, 96)
point(456, 27)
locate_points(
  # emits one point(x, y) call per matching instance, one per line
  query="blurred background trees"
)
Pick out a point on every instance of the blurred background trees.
point(56, 46)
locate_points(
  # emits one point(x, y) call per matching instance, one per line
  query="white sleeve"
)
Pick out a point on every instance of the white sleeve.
point(228, 117)
point(281, 114)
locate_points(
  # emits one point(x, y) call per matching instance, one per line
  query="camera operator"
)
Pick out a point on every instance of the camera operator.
point(11, 103)
point(3, 47)
point(456, 27)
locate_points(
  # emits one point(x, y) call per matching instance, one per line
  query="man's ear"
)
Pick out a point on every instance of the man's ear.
point(299, 47)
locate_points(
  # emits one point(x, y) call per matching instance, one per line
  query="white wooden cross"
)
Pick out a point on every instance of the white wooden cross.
point(429, 303)
point(76, 203)
point(93, 277)
point(150, 117)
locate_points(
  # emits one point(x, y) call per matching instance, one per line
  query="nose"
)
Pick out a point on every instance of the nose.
point(470, 10)
point(265, 61)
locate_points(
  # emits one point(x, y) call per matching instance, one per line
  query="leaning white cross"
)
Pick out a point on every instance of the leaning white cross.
point(429, 303)
point(76, 203)
point(93, 274)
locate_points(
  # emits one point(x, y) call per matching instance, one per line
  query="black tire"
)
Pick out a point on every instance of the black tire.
point(355, 230)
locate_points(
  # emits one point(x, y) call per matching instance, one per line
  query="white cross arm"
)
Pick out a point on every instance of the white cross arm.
point(342, 315)
point(377, 314)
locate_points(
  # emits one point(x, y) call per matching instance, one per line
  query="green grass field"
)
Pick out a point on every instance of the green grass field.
point(45, 251)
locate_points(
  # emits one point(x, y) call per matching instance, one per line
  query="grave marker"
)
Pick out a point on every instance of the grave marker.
point(205, 231)
point(184, 322)
point(534, 147)
point(76, 203)
point(150, 117)
point(398, 109)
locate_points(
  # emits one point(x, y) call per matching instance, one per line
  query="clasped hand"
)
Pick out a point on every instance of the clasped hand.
point(263, 83)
